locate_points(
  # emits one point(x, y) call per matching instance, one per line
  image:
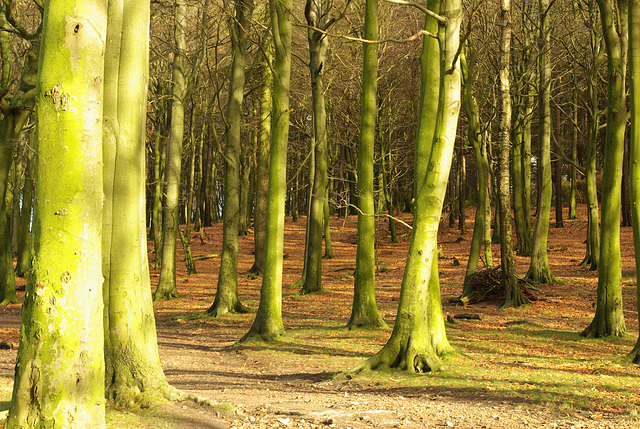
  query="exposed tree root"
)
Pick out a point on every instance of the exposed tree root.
point(165, 295)
point(598, 328)
point(420, 359)
point(9, 300)
point(220, 310)
point(363, 321)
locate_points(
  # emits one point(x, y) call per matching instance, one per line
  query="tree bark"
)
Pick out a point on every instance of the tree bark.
point(609, 317)
point(227, 300)
point(539, 270)
point(418, 338)
point(171, 211)
point(59, 378)
point(513, 294)
point(268, 321)
point(364, 311)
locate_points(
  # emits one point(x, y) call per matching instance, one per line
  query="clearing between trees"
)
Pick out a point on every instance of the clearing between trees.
point(525, 367)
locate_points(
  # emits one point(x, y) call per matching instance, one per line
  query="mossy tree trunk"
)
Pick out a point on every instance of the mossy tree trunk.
point(513, 294)
point(594, 113)
point(133, 372)
point(171, 211)
point(23, 262)
point(59, 378)
point(477, 140)
point(539, 270)
point(418, 338)
point(364, 311)
point(318, 15)
point(609, 317)
point(262, 161)
point(268, 321)
point(634, 148)
point(16, 110)
point(227, 300)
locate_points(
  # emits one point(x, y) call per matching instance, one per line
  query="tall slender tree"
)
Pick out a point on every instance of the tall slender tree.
point(609, 317)
point(365, 311)
point(268, 321)
point(539, 270)
point(171, 212)
point(634, 80)
point(513, 294)
point(262, 161)
point(133, 372)
point(418, 338)
point(59, 379)
point(227, 300)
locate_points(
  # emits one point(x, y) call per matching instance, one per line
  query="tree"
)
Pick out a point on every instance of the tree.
point(365, 311)
point(634, 149)
point(226, 300)
point(262, 161)
point(524, 72)
point(513, 294)
point(59, 379)
point(171, 212)
point(16, 108)
point(539, 270)
point(133, 370)
point(418, 338)
point(268, 320)
point(478, 140)
point(609, 318)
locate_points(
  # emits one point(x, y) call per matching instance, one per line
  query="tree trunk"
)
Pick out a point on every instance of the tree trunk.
point(592, 256)
point(317, 13)
point(268, 321)
point(262, 159)
point(478, 142)
point(634, 147)
point(418, 338)
point(227, 300)
point(171, 212)
point(513, 294)
point(23, 262)
point(134, 373)
point(539, 270)
point(59, 378)
point(609, 318)
point(364, 311)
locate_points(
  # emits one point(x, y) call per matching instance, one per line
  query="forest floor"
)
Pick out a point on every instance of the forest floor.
point(515, 368)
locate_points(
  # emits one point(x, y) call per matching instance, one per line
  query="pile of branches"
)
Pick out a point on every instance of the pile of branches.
point(488, 285)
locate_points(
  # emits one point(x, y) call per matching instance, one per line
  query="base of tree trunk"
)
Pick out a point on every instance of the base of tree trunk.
point(367, 321)
point(9, 300)
point(165, 295)
point(267, 332)
point(542, 274)
point(218, 310)
point(598, 329)
point(407, 357)
point(634, 354)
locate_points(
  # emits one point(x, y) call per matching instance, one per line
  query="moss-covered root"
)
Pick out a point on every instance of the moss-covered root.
point(364, 321)
point(542, 274)
point(218, 310)
point(634, 354)
point(9, 300)
point(410, 358)
point(517, 299)
point(165, 295)
point(599, 328)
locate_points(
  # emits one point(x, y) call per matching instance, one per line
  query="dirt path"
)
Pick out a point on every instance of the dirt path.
point(295, 383)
